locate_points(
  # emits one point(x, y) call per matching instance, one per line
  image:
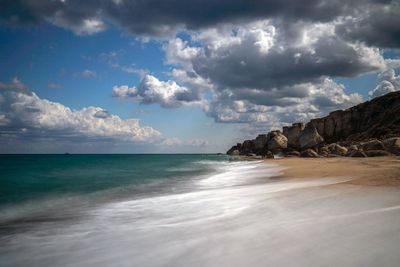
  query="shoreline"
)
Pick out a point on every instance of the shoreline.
point(376, 171)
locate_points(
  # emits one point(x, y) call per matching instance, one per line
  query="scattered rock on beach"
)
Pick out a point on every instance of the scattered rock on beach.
point(269, 155)
point(373, 145)
point(352, 148)
point(292, 154)
point(309, 153)
point(370, 126)
point(358, 154)
point(377, 153)
point(337, 149)
point(235, 152)
point(393, 145)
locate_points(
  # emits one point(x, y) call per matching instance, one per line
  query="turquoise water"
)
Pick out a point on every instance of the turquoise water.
point(32, 177)
point(120, 210)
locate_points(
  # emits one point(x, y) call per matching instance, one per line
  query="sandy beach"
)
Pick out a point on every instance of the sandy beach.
point(378, 171)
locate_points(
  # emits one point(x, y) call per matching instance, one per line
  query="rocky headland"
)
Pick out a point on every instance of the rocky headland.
point(369, 129)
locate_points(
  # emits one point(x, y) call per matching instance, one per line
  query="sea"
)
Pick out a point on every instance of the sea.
point(184, 210)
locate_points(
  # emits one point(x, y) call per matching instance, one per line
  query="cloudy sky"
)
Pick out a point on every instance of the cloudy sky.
point(165, 76)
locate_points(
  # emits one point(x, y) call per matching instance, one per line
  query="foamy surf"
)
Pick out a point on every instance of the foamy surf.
point(237, 214)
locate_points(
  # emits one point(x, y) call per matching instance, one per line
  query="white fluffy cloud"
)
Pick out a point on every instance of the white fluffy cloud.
point(24, 114)
point(151, 90)
point(264, 74)
point(388, 82)
point(266, 55)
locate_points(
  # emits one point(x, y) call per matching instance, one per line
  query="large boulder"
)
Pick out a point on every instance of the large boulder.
point(293, 133)
point(377, 153)
point(309, 153)
point(234, 148)
point(235, 153)
point(393, 145)
point(358, 154)
point(373, 145)
point(324, 149)
point(337, 149)
point(247, 147)
point(292, 154)
point(310, 137)
point(269, 155)
point(352, 148)
point(260, 143)
point(277, 141)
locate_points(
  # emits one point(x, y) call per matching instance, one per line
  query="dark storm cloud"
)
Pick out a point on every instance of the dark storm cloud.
point(378, 25)
point(147, 16)
point(245, 66)
point(373, 21)
point(159, 17)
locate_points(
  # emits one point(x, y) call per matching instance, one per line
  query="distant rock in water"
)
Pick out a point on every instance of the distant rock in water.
point(371, 126)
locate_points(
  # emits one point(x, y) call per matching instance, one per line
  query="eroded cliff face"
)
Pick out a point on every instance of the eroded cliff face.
point(378, 118)
point(375, 119)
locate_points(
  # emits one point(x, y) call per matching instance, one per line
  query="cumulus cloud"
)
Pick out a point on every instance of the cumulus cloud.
point(321, 99)
point(257, 55)
point(263, 63)
point(260, 74)
point(151, 90)
point(286, 79)
point(388, 82)
point(23, 114)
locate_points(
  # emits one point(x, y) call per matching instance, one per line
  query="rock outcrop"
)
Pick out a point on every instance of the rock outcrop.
point(367, 130)
point(310, 137)
point(393, 145)
point(378, 118)
point(276, 141)
point(293, 133)
point(260, 143)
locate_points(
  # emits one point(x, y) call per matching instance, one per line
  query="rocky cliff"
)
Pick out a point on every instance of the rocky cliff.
point(341, 133)
point(378, 118)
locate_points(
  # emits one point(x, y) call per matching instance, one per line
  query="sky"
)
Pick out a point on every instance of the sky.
point(194, 76)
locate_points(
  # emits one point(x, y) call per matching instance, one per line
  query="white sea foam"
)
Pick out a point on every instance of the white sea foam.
point(230, 218)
